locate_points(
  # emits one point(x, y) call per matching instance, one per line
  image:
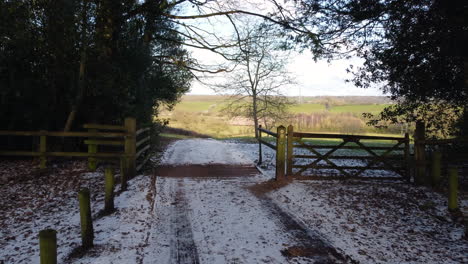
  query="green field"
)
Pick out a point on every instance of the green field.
point(306, 108)
point(198, 106)
point(358, 109)
point(204, 115)
point(215, 105)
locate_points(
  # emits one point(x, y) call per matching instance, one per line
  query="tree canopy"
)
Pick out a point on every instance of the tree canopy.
point(415, 50)
point(101, 57)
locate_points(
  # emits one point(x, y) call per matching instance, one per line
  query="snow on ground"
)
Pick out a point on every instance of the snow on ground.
point(172, 220)
point(378, 222)
point(230, 226)
point(31, 203)
point(131, 234)
point(204, 151)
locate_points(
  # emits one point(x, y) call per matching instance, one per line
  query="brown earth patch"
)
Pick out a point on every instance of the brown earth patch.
point(206, 171)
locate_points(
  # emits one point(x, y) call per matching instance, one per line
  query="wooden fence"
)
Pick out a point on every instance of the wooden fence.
point(431, 156)
point(97, 135)
point(393, 158)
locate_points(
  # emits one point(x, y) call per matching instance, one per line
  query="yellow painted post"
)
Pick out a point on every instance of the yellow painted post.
point(420, 154)
point(290, 150)
point(48, 246)
point(280, 152)
point(109, 183)
point(259, 145)
point(43, 149)
point(130, 146)
point(87, 233)
point(453, 189)
point(436, 168)
point(92, 149)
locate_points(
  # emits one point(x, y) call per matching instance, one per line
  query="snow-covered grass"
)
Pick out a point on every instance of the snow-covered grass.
point(40, 201)
point(378, 222)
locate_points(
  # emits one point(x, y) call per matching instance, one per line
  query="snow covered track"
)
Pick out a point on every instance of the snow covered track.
point(229, 224)
point(200, 207)
point(184, 250)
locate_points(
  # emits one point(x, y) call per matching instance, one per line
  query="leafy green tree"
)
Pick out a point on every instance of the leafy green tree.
point(415, 50)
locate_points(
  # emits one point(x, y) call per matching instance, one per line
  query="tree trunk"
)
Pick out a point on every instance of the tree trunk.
point(81, 74)
point(254, 113)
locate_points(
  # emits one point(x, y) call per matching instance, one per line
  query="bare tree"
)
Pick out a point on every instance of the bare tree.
point(255, 84)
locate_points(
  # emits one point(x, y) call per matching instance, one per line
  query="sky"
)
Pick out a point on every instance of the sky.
point(312, 78)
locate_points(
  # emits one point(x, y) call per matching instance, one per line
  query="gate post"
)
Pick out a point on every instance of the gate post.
point(130, 147)
point(259, 133)
point(280, 152)
point(289, 162)
point(420, 153)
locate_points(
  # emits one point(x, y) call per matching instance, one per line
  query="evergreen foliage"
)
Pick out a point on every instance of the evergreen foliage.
point(103, 59)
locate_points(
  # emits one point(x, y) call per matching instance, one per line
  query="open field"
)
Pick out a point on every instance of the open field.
point(204, 114)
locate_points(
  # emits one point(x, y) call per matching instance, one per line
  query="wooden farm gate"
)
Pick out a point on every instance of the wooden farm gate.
point(352, 156)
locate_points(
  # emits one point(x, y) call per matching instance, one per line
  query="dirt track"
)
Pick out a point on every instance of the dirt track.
point(308, 246)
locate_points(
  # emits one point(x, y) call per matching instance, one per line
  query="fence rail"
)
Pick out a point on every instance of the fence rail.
point(120, 136)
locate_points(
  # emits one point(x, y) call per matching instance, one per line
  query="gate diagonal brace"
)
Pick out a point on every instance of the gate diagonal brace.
point(378, 158)
point(323, 157)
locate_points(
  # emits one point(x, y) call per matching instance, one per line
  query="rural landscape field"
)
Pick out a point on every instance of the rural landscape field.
point(207, 114)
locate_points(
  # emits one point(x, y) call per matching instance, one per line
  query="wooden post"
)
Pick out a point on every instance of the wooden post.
point(43, 149)
point(87, 234)
point(407, 157)
point(123, 174)
point(259, 145)
point(92, 149)
point(109, 183)
point(130, 146)
point(48, 246)
point(290, 150)
point(453, 189)
point(419, 153)
point(436, 168)
point(280, 153)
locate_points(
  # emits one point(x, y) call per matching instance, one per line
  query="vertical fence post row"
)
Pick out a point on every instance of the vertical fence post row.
point(43, 149)
point(130, 147)
point(453, 189)
point(290, 150)
point(48, 246)
point(109, 183)
point(92, 149)
point(436, 159)
point(259, 133)
point(280, 153)
point(419, 153)
point(87, 235)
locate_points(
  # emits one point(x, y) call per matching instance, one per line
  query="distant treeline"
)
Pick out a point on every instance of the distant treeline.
point(347, 123)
